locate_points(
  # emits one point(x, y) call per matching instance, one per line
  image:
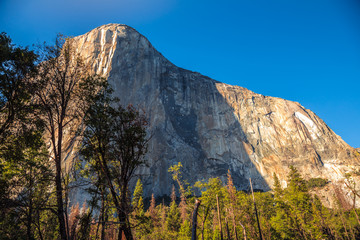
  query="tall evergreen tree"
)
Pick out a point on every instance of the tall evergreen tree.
point(138, 193)
point(173, 221)
point(140, 221)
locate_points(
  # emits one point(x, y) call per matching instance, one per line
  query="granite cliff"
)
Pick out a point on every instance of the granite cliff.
point(210, 126)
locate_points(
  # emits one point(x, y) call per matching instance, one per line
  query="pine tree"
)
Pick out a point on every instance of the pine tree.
point(231, 188)
point(185, 231)
point(138, 192)
point(173, 220)
point(138, 215)
point(298, 204)
point(152, 209)
point(277, 187)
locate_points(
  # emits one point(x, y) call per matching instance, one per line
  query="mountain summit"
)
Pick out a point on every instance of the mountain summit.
point(212, 127)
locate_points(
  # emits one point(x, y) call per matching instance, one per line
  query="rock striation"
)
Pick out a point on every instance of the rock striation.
point(210, 126)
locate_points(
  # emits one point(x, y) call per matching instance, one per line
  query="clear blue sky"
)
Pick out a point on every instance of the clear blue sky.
point(302, 50)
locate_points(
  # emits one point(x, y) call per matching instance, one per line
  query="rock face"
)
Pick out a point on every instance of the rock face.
point(210, 126)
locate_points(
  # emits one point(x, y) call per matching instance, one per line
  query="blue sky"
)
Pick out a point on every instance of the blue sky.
point(302, 50)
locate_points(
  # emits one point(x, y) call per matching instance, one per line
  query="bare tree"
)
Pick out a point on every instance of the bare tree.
point(66, 83)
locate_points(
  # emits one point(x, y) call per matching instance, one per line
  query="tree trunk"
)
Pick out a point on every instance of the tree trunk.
point(66, 203)
point(123, 228)
point(102, 236)
point(256, 213)
point(233, 218)
point(123, 219)
point(227, 229)
point(29, 221)
point(219, 217)
point(38, 225)
point(30, 212)
point(194, 219)
point(119, 205)
point(60, 209)
point(243, 227)
point(59, 190)
point(203, 223)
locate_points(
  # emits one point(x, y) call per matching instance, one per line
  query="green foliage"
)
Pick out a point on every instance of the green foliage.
point(24, 171)
point(173, 218)
point(185, 231)
point(317, 182)
point(184, 187)
point(114, 144)
point(139, 219)
point(138, 192)
point(209, 191)
point(25, 182)
point(278, 191)
point(17, 67)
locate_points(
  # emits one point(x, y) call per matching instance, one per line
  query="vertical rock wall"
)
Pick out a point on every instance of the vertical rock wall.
point(210, 126)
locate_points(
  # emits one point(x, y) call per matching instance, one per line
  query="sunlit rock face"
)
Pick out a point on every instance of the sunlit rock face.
point(210, 126)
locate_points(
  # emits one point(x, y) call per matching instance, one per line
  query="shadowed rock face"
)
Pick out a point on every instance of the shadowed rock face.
point(211, 126)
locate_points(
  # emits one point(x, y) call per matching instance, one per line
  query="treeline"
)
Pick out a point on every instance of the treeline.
point(225, 213)
point(51, 105)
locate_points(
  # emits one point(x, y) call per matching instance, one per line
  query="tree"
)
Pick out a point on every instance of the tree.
point(115, 139)
point(17, 69)
point(184, 189)
point(231, 194)
point(185, 231)
point(152, 209)
point(194, 219)
point(173, 221)
point(138, 192)
point(66, 84)
point(90, 173)
point(139, 219)
point(209, 192)
point(278, 191)
point(26, 171)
